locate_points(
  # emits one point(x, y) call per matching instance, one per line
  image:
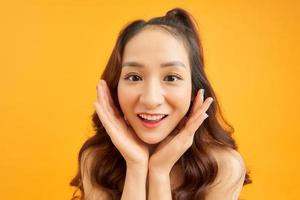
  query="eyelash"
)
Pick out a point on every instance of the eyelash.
point(173, 75)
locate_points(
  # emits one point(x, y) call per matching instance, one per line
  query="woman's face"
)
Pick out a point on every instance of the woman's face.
point(155, 79)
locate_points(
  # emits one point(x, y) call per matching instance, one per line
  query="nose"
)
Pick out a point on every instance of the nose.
point(152, 96)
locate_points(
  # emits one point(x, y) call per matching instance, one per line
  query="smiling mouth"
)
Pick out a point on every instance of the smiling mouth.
point(152, 120)
point(151, 123)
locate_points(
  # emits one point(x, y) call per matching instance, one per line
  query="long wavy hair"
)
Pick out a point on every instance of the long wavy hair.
point(108, 167)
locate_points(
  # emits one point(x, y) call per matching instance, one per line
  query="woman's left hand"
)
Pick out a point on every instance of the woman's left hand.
point(172, 148)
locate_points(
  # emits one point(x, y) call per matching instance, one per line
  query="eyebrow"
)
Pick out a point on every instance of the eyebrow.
point(166, 64)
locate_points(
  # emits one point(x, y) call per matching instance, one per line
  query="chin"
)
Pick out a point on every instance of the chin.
point(151, 139)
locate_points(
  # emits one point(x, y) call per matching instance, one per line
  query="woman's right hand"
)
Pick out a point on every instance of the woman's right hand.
point(134, 150)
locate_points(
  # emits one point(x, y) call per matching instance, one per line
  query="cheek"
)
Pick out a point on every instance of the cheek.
point(181, 99)
point(125, 97)
point(121, 97)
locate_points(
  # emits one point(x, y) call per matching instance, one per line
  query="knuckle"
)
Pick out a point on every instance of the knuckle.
point(203, 116)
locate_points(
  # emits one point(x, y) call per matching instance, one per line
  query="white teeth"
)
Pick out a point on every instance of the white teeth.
point(157, 117)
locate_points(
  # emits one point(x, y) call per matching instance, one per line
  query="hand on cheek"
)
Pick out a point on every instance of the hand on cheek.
point(134, 151)
point(172, 148)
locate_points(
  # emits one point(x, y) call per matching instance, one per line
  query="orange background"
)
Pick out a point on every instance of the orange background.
point(53, 53)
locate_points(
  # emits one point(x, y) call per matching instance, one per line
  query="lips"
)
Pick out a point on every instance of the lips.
point(151, 123)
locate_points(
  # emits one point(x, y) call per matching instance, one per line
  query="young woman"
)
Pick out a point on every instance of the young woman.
point(158, 134)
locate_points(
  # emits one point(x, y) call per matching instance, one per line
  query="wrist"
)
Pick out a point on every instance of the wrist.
point(159, 177)
point(158, 173)
point(140, 168)
point(158, 170)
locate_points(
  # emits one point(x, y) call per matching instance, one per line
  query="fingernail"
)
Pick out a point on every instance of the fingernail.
point(201, 92)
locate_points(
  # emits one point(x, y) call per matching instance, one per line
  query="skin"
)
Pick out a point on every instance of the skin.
point(152, 88)
point(152, 151)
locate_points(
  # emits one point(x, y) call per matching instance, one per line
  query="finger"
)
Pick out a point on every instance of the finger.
point(103, 118)
point(110, 100)
point(105, 95)
point(187, 133)
point(108, 106)
point(101, 97)
point(102, 101)
point(203, 108)
point(111, 129)
point(196, 102)
point(185, 138)
point(111, 111)
point(193, 126)
point(98, 88)
point(202, 95)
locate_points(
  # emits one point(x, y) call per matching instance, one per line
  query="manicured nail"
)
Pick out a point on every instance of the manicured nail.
point(201, 94)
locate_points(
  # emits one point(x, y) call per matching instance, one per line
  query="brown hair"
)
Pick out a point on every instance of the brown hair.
point(108, 168)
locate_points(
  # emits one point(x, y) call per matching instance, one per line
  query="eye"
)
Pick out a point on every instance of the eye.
point(170, 78)
point(128, 77)
point(174, 76)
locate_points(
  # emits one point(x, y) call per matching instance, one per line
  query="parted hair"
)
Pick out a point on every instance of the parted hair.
point(108, 167)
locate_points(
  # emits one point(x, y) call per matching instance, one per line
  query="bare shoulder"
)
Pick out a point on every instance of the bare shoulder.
point(231, 174)
point(227, 157)
point(91, 192)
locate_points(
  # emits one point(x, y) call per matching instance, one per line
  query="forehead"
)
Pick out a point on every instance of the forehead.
point(155, 44)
